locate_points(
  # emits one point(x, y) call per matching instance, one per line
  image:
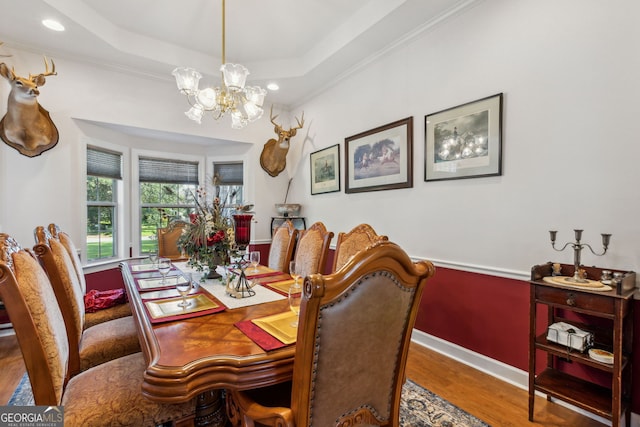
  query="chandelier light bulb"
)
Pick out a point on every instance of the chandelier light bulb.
point(244, 104)
point(237, 120)
point(187, 80)
point(207, 98)
point(253, 111)
point(235, 76)
point(195, 113)
point(255, 95)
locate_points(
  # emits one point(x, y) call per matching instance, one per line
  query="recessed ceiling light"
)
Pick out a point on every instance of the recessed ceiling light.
point(53, 24)
point(273, 86)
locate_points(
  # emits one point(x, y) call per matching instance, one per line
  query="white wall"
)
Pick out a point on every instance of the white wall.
point(569, 72)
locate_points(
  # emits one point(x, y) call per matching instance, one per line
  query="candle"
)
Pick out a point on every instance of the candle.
point(242, 228)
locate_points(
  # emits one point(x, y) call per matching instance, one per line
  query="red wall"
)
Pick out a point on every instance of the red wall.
point(104, 280)
point(485, 314)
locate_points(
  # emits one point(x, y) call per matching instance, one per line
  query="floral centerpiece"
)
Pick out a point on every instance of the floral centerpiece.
point(208, 238)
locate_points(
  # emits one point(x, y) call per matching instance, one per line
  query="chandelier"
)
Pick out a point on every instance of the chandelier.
point(243, 103)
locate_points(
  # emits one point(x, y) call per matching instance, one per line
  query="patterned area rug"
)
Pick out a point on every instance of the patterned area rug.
point(419, 407)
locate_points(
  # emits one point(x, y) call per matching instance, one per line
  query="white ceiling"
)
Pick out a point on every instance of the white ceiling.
point(303, 45)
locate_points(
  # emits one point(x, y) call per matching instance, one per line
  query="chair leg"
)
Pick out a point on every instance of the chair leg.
point(233, 411)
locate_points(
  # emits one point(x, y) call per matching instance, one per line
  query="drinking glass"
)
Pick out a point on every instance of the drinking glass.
point(295, 292)
point(254, 257)
point(183, 289)
point(293, 271)
point(164, 266)
point(153, 257)
point(295, 298)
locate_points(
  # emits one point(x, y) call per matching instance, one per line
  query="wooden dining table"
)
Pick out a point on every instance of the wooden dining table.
point(203, 355)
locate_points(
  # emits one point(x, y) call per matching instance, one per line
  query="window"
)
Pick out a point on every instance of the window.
point(104, 173)
point(228, 176)
point(166, 194)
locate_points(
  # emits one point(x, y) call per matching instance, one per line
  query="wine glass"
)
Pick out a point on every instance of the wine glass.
point(183, 289)
point(164, 266)
point(295, 298)
point(293, 271)
point(254, 257)
point(153, 257)
point(295, 292)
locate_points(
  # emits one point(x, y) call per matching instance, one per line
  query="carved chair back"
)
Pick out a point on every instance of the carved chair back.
point(282, 246)
point(350, 243)
point(37, 320)
point(168, 241)
point(68, 291)
point(312, 249)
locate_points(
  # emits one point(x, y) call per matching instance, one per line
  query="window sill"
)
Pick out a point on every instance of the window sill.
point(104, 265)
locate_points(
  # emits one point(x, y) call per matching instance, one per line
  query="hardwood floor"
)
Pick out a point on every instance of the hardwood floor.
point(497, 403)
point(11, 366)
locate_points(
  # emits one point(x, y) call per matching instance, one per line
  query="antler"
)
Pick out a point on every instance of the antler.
point(300, 123)
point(46, 71)
point(272, 117)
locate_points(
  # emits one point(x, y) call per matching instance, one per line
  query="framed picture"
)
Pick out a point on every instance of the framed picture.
point(464, 141)
point(380, 158)
point(325, 170)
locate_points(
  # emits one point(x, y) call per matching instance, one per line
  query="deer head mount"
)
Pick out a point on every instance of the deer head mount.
point(273, 158)
point(27, 126)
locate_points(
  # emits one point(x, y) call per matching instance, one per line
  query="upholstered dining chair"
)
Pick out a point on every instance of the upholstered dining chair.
point(109, 394)
point(350, 243)
point(282, 246)
point(91, 318)
point(351, 349)
point(168, 241)
point(97, 344)
point(312, 249)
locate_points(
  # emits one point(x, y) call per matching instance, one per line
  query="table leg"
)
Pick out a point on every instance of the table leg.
point(210, 409)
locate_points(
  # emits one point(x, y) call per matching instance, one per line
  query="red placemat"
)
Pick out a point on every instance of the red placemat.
point(258, 335)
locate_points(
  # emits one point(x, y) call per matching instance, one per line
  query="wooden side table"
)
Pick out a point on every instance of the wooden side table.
point(614, 335)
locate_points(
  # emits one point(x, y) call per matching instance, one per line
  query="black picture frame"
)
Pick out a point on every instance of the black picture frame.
point(464, 141)
point(380, 158)
point(325, 170)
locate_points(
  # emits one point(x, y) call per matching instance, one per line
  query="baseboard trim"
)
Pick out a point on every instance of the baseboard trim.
point(495, 368)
